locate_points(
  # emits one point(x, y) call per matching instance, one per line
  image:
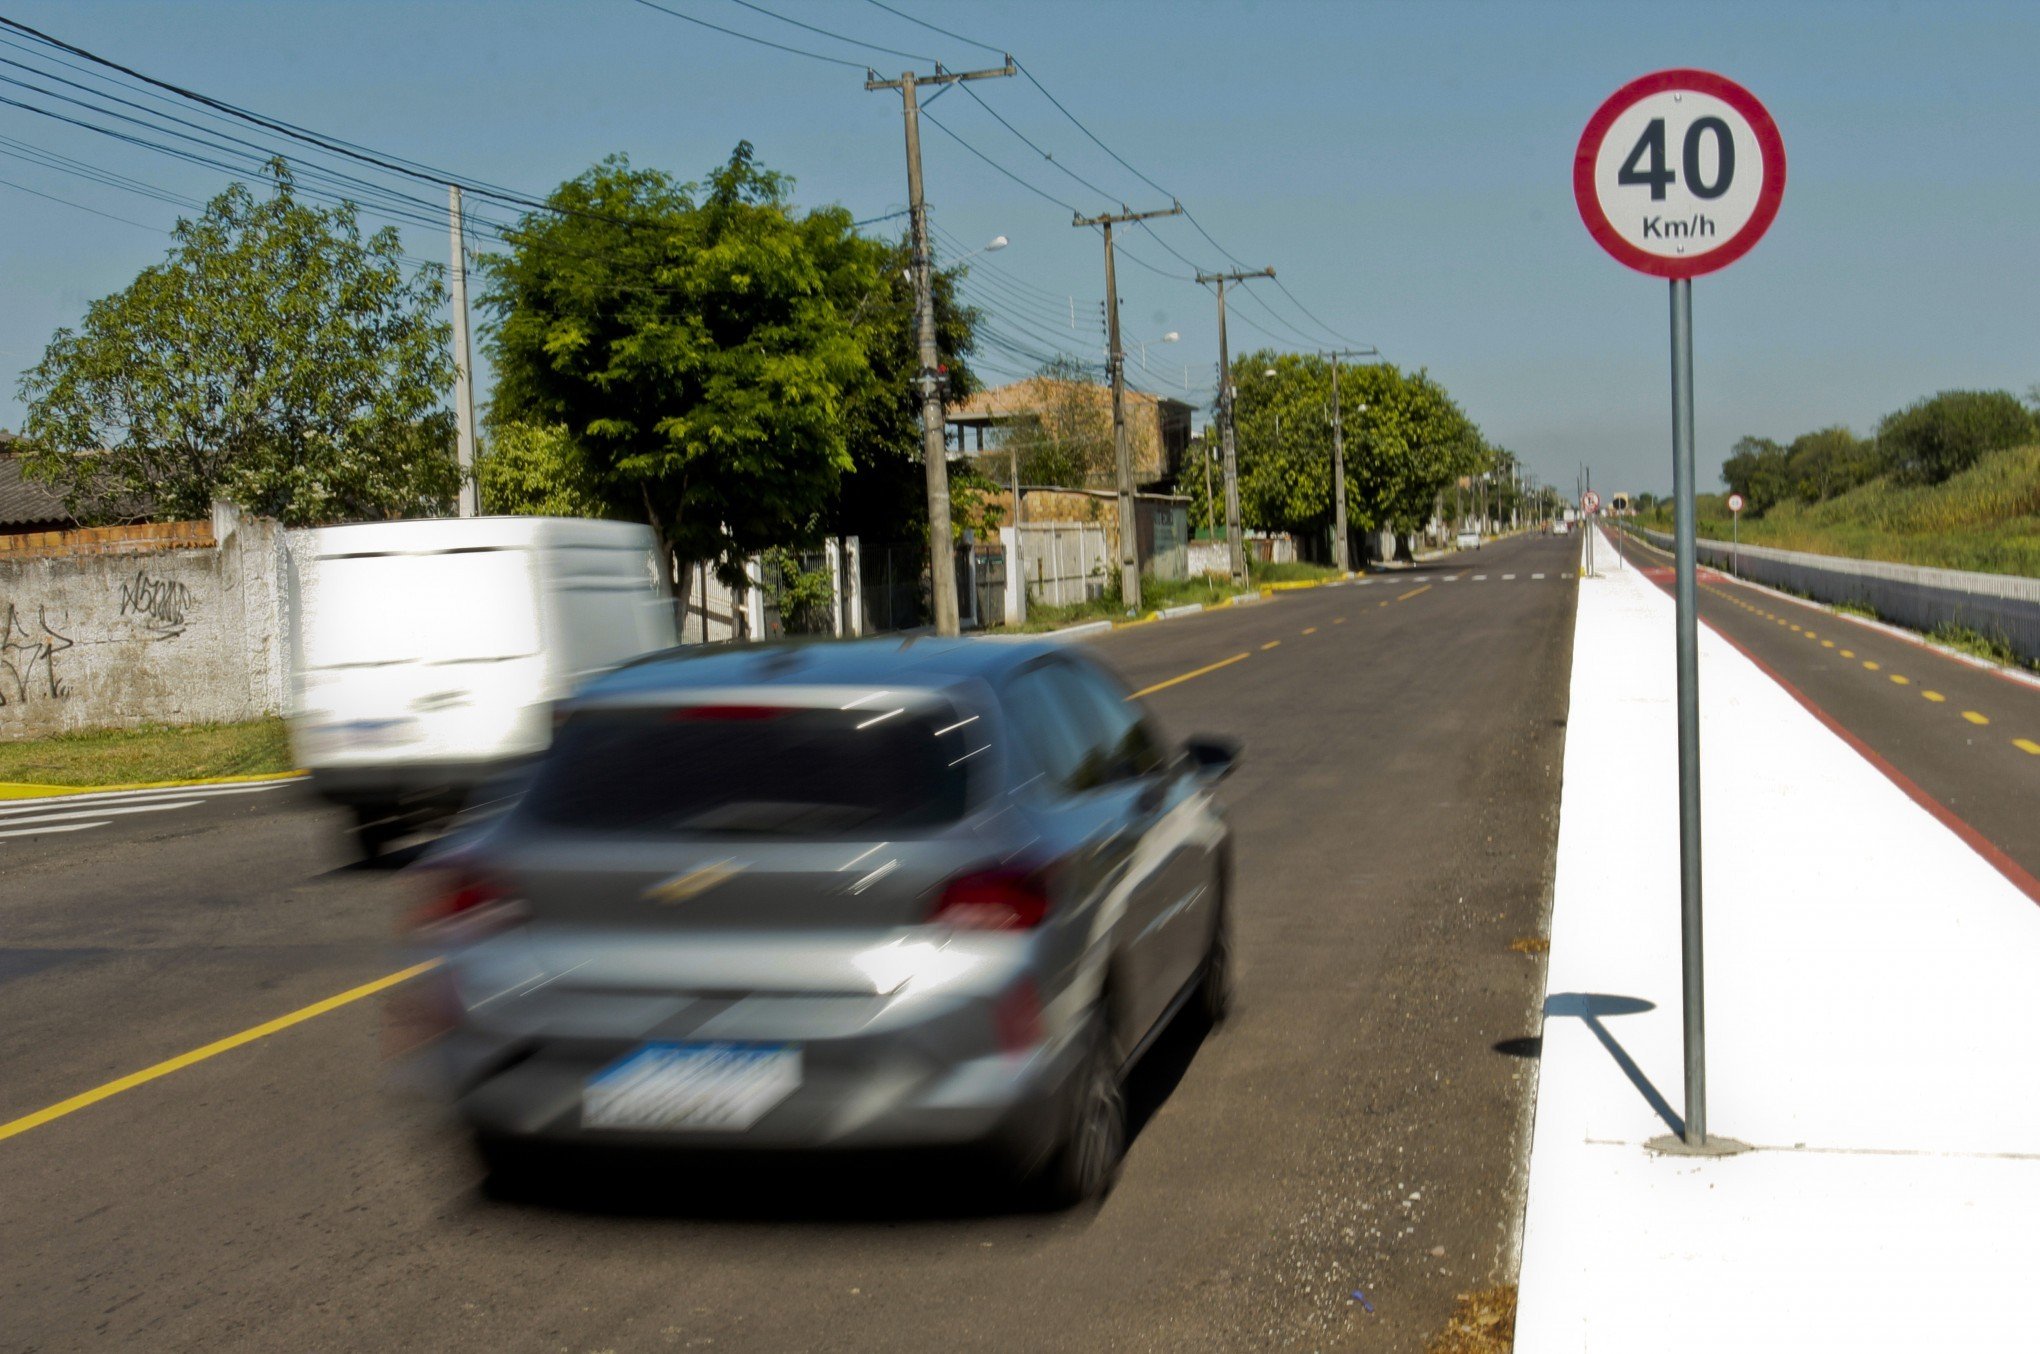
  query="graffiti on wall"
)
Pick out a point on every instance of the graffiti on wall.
point(157, 604)
point(28, 658)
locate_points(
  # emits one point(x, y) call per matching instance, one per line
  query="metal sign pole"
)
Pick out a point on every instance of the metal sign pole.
point(1689, 713)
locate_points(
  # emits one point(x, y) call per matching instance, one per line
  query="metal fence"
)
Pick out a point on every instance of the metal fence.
point(2002, 606)
point(1063, 562)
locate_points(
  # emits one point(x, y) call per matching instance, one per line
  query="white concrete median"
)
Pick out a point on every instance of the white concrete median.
point(1872, 1018)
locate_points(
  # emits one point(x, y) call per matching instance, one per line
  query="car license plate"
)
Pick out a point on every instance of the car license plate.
point(717, 1087)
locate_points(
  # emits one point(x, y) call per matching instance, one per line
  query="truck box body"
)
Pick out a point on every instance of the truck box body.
point(428, 653)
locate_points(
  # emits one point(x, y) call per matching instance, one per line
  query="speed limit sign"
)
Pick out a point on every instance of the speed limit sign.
point(1735, 502)
point(1679, 173)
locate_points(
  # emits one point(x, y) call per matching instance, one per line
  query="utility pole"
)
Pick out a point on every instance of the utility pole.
point(1122, 454)
point(934, 432)
point(1236, 546)
point(1341, 555)
point(464, 370)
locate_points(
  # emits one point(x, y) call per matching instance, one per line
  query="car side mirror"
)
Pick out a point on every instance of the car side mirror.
point(1212, 758)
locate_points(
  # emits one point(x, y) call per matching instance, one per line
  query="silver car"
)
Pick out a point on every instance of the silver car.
point(877, 894)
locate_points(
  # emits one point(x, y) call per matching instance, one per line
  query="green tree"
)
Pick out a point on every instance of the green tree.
point(1831, 461)
point(1931, 439)
point(692, 342)
point(1409, 443)
point(537, 470)
point(277, 359)
point(1756, 469)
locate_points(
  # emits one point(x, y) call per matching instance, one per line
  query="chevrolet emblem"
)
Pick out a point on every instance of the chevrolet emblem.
point(692, 883)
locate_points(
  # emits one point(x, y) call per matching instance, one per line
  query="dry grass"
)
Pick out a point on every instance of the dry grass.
point(1481, 1323)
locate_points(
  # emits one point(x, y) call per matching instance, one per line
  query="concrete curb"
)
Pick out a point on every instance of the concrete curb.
point(24, 790)
point(1914, 637)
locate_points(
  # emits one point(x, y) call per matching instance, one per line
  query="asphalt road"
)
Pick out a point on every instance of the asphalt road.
point(1962, 740)
point(1354, 1127)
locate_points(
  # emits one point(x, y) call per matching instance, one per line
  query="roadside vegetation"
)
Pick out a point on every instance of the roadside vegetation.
point(1951, 481)
point(1159, 594)
point(150, 753)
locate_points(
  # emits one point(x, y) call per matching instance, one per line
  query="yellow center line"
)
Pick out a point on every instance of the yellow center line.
point(1270, 644)
point(1901, 680)
point(1934, 696)
point(1975, 718)
point(1384, 601)
point(1310, 629)
point(217, 1047)
point(1413, 592)
point(1827, 644)
point(1199, 672)
point(1848, 653)
point(1338, 620)
point(1872, 666)
point(2027, 745)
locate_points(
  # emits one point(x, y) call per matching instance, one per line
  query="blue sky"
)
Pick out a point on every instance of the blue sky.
point(1405, 167)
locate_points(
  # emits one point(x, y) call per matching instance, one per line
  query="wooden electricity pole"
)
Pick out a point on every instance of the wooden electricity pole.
point(934, 431)
point(1122, 454)
point(1236, 546)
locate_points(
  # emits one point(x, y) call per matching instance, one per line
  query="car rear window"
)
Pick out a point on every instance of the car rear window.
point(751, 770)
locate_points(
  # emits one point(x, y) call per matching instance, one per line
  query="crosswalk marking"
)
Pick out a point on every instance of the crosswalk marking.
point(78, 812)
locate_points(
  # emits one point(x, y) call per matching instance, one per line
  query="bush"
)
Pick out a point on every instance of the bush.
point(1928, 441)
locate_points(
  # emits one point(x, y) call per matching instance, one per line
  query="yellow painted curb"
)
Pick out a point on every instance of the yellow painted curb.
point(1138, 620)
point(21, 790)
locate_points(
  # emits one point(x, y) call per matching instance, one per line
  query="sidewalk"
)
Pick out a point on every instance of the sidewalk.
point(1873, 1026)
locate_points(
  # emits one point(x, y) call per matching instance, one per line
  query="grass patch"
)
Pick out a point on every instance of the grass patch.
point(1481, 1323)
point(1986, 519)
point(1294, 571)
point(1992, 648)
point(1868, 613)
point(149, 753)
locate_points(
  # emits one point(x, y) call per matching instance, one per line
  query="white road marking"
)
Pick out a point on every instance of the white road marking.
point(10, 820)
point(39, 831)
point(1480, 578)
point(1537, 575)
point(1508, 578)
point(139, 796)
point(1366, 582)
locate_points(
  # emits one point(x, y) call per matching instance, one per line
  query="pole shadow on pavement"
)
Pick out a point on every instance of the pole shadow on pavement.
point(1589, 1007)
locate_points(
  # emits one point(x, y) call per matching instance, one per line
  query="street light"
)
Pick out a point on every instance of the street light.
point(1169, 337)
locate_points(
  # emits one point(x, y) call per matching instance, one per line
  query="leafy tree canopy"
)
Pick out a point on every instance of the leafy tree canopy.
point(277, 359)
point(721, 361)
point(1930, 440)
point(537, 470)
point(1411, 441)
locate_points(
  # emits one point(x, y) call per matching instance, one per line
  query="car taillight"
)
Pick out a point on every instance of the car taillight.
point(1002, 899)
point(465, 906)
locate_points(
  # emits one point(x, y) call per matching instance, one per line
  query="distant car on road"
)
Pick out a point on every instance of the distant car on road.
point(832, 896)
point(1468, 540)
point(1560, 528)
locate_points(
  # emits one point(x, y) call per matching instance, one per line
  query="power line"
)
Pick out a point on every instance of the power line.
point(854, 42)
point(752, 37)
point(1038, 192)
point(52, 197)
point(1000, 51)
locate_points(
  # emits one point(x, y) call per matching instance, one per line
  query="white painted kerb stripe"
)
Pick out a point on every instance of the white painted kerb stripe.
point(139, 796)
point(39, 831)
point(12, 820)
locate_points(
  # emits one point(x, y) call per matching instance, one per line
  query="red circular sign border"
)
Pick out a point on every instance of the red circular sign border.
point(1701, 82)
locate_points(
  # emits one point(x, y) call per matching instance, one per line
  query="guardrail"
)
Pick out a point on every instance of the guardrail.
point(2002, 606)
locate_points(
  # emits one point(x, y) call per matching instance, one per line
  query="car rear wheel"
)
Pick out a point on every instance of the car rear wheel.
point(1085, 1165)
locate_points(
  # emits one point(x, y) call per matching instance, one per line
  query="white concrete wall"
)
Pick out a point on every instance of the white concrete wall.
point(169, 636)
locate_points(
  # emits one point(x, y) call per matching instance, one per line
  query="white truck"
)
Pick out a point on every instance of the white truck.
point(427, 654)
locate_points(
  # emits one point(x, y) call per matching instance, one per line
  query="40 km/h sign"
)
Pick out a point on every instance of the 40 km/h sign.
point(1679, 173)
